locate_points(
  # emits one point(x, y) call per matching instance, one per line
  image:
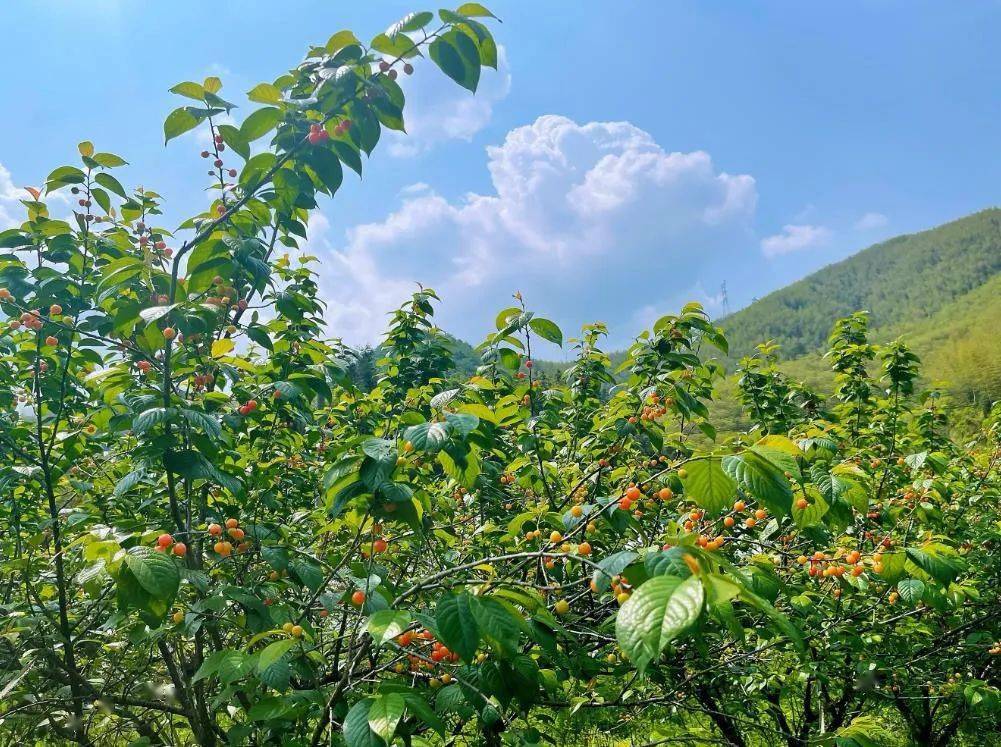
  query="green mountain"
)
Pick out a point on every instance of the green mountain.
point(939, 290)
point(904, 283)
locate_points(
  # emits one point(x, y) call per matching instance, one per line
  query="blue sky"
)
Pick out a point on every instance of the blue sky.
point(627, 157)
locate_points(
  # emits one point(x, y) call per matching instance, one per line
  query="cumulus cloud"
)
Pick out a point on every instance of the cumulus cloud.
point(9, 196)
point(871, 221)
point(438, 110)
point(589, 221)
point(794, 238)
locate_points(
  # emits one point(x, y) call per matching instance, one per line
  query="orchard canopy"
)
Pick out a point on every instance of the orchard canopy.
point(215, 533)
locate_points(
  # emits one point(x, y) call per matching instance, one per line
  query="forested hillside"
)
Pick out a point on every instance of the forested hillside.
point(904, 283)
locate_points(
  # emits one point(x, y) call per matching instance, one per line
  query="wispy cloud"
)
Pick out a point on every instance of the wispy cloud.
point(871, 221)
point(794, 238)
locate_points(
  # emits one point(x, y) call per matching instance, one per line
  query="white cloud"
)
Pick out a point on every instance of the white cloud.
point(9, 196)
point(590, 221)
point(438, 110)
point(871, 221)
point(794, 238)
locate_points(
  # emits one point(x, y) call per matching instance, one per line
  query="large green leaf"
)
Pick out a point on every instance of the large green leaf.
point(357, 732)
point(274, 652)
point(911, 590)
point(939, 561)
point(762, 479)
point(177, 123)
point(430, 437)
point(156, 572)
point(457, 626)
point(260, 123)
point(657, 613)
point(385, 625)
point(708, 485)
point(385, 713)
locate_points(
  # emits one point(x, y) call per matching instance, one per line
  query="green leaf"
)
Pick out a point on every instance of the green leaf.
point(410, 22)
point(260, 123)
point(110, 183)
point(385, 625)
point(708, 485)
point(177, 123)
point(235, 140)
point(155, 571)
point(911, 590)
point(659, 611)
point(939, 561)
point(761, 479)
point(192, 90)
point(145, 420)
point(457, 56)
point(385, 713)
point(273, 652)
point(814, 512)
point(265, 93)
point(457, 626)
point(340, 40)
point(611, 566)
point(498, 623)
point(430, 437)
point(327, 167)
point(547, 330)
point(229, 665)
point(474, 10)
point(357, 732)
point(394, 46)
point(462, 423)
point(268, 709)
point(110, 160)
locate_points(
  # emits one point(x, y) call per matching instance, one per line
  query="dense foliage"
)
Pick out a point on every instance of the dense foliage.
point(214, 535)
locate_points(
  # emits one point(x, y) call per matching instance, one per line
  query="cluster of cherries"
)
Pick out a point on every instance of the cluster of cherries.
point(30, 319)
point(146, 235)
point(247, 407)
point(224, 547)
point(656, 408)
point(166, 542)
point(219, 147)
point(385, 67)
point(318, 133)
point(439, 652)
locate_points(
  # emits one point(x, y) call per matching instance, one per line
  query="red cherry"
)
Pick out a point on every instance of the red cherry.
point(164, 540)
point(314, 138)
point(408, 68)
point(205, 154)
point(180, 549)
point(232, 172)
point(392, 74)
point(217, 163)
